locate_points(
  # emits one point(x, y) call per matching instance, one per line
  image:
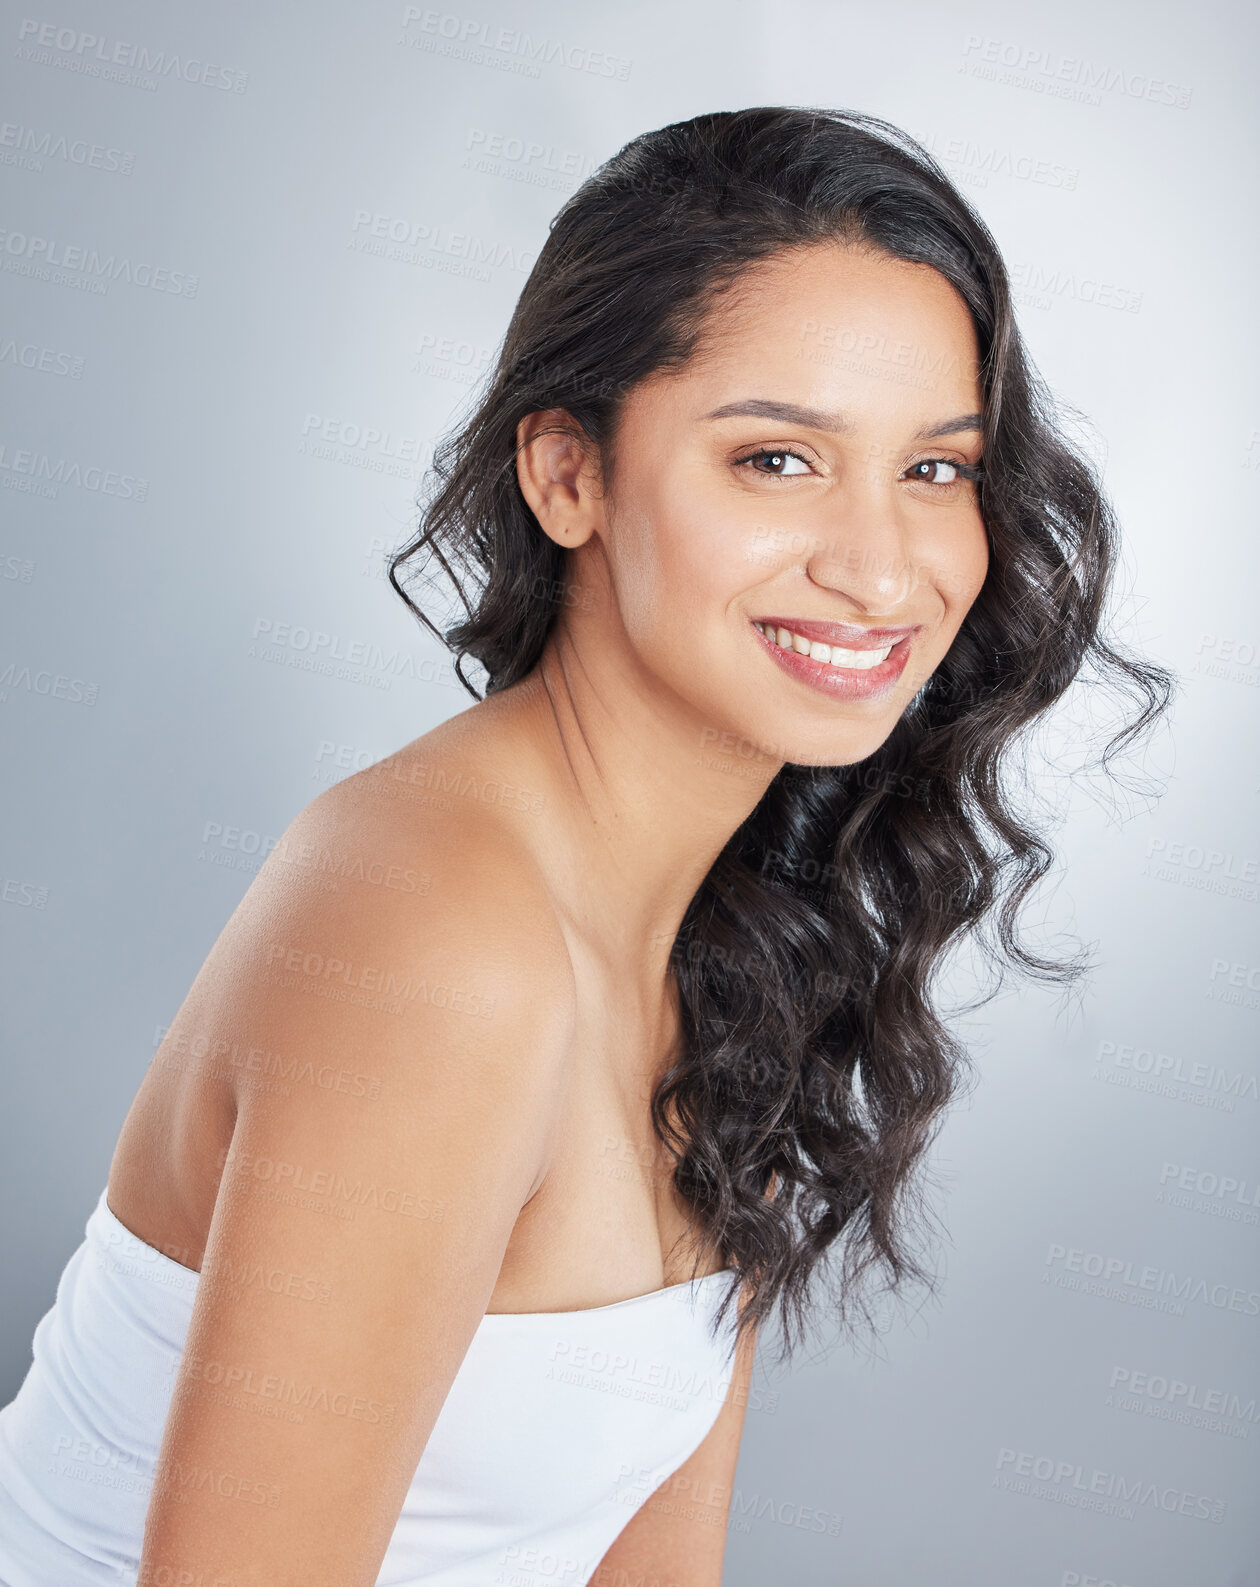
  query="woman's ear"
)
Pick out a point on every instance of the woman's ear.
point(559, 476)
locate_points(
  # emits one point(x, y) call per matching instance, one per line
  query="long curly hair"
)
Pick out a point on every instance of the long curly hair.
point(813, 1069)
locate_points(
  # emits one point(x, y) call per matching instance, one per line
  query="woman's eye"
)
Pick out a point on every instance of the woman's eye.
point(781, 460)
point(940, 471)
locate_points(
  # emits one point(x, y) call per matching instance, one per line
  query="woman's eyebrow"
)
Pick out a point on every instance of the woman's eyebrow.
point(789, 412)
point(819, 419)
point(964, 421)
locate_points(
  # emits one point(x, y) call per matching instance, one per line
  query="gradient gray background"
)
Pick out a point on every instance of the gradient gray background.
point(140, 788)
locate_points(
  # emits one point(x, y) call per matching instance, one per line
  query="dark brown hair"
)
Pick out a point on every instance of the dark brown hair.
point(812, 1051)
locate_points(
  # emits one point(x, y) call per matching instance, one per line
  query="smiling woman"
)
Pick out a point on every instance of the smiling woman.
point(765, 383)
point(651, 1044)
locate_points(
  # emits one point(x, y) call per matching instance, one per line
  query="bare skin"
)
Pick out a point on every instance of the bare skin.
point(515, 1098)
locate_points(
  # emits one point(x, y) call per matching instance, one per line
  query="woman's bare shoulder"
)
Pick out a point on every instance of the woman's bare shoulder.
point(379, 902)
point(421, 832)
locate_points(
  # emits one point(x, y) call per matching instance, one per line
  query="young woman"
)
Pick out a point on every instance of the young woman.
point(548, 1057)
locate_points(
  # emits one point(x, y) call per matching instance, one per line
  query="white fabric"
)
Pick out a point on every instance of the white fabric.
point(557, 1427)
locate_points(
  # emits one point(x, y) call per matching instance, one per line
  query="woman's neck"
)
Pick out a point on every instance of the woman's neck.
point(639, 797)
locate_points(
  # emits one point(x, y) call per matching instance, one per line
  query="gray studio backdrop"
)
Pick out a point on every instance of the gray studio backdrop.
point(253, 260)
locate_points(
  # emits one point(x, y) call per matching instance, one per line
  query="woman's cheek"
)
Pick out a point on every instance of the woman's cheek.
point(955, 565)
point(696, 552)
point(738, 548)
point(641, 556)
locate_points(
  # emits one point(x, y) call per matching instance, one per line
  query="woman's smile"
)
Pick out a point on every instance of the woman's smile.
point(858, 673)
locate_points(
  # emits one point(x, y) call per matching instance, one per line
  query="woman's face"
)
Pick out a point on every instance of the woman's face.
point(801, 482)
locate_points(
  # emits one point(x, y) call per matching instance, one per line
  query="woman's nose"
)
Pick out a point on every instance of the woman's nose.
point(865, 553)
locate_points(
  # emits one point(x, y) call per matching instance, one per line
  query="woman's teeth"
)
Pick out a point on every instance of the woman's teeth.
point(816, 651)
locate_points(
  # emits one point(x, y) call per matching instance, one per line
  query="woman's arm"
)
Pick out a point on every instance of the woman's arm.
point(678, 1537)
point(296, 1423)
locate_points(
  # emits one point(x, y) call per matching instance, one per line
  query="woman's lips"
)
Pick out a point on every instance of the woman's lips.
point(843, 683)
point(849, 636)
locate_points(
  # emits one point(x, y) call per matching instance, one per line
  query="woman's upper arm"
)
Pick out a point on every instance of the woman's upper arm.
point(377, 1215)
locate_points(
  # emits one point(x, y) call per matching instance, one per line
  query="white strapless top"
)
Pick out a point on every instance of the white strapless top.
point(557, 1427)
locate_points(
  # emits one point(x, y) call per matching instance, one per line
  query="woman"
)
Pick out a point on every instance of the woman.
point(545, 1059)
